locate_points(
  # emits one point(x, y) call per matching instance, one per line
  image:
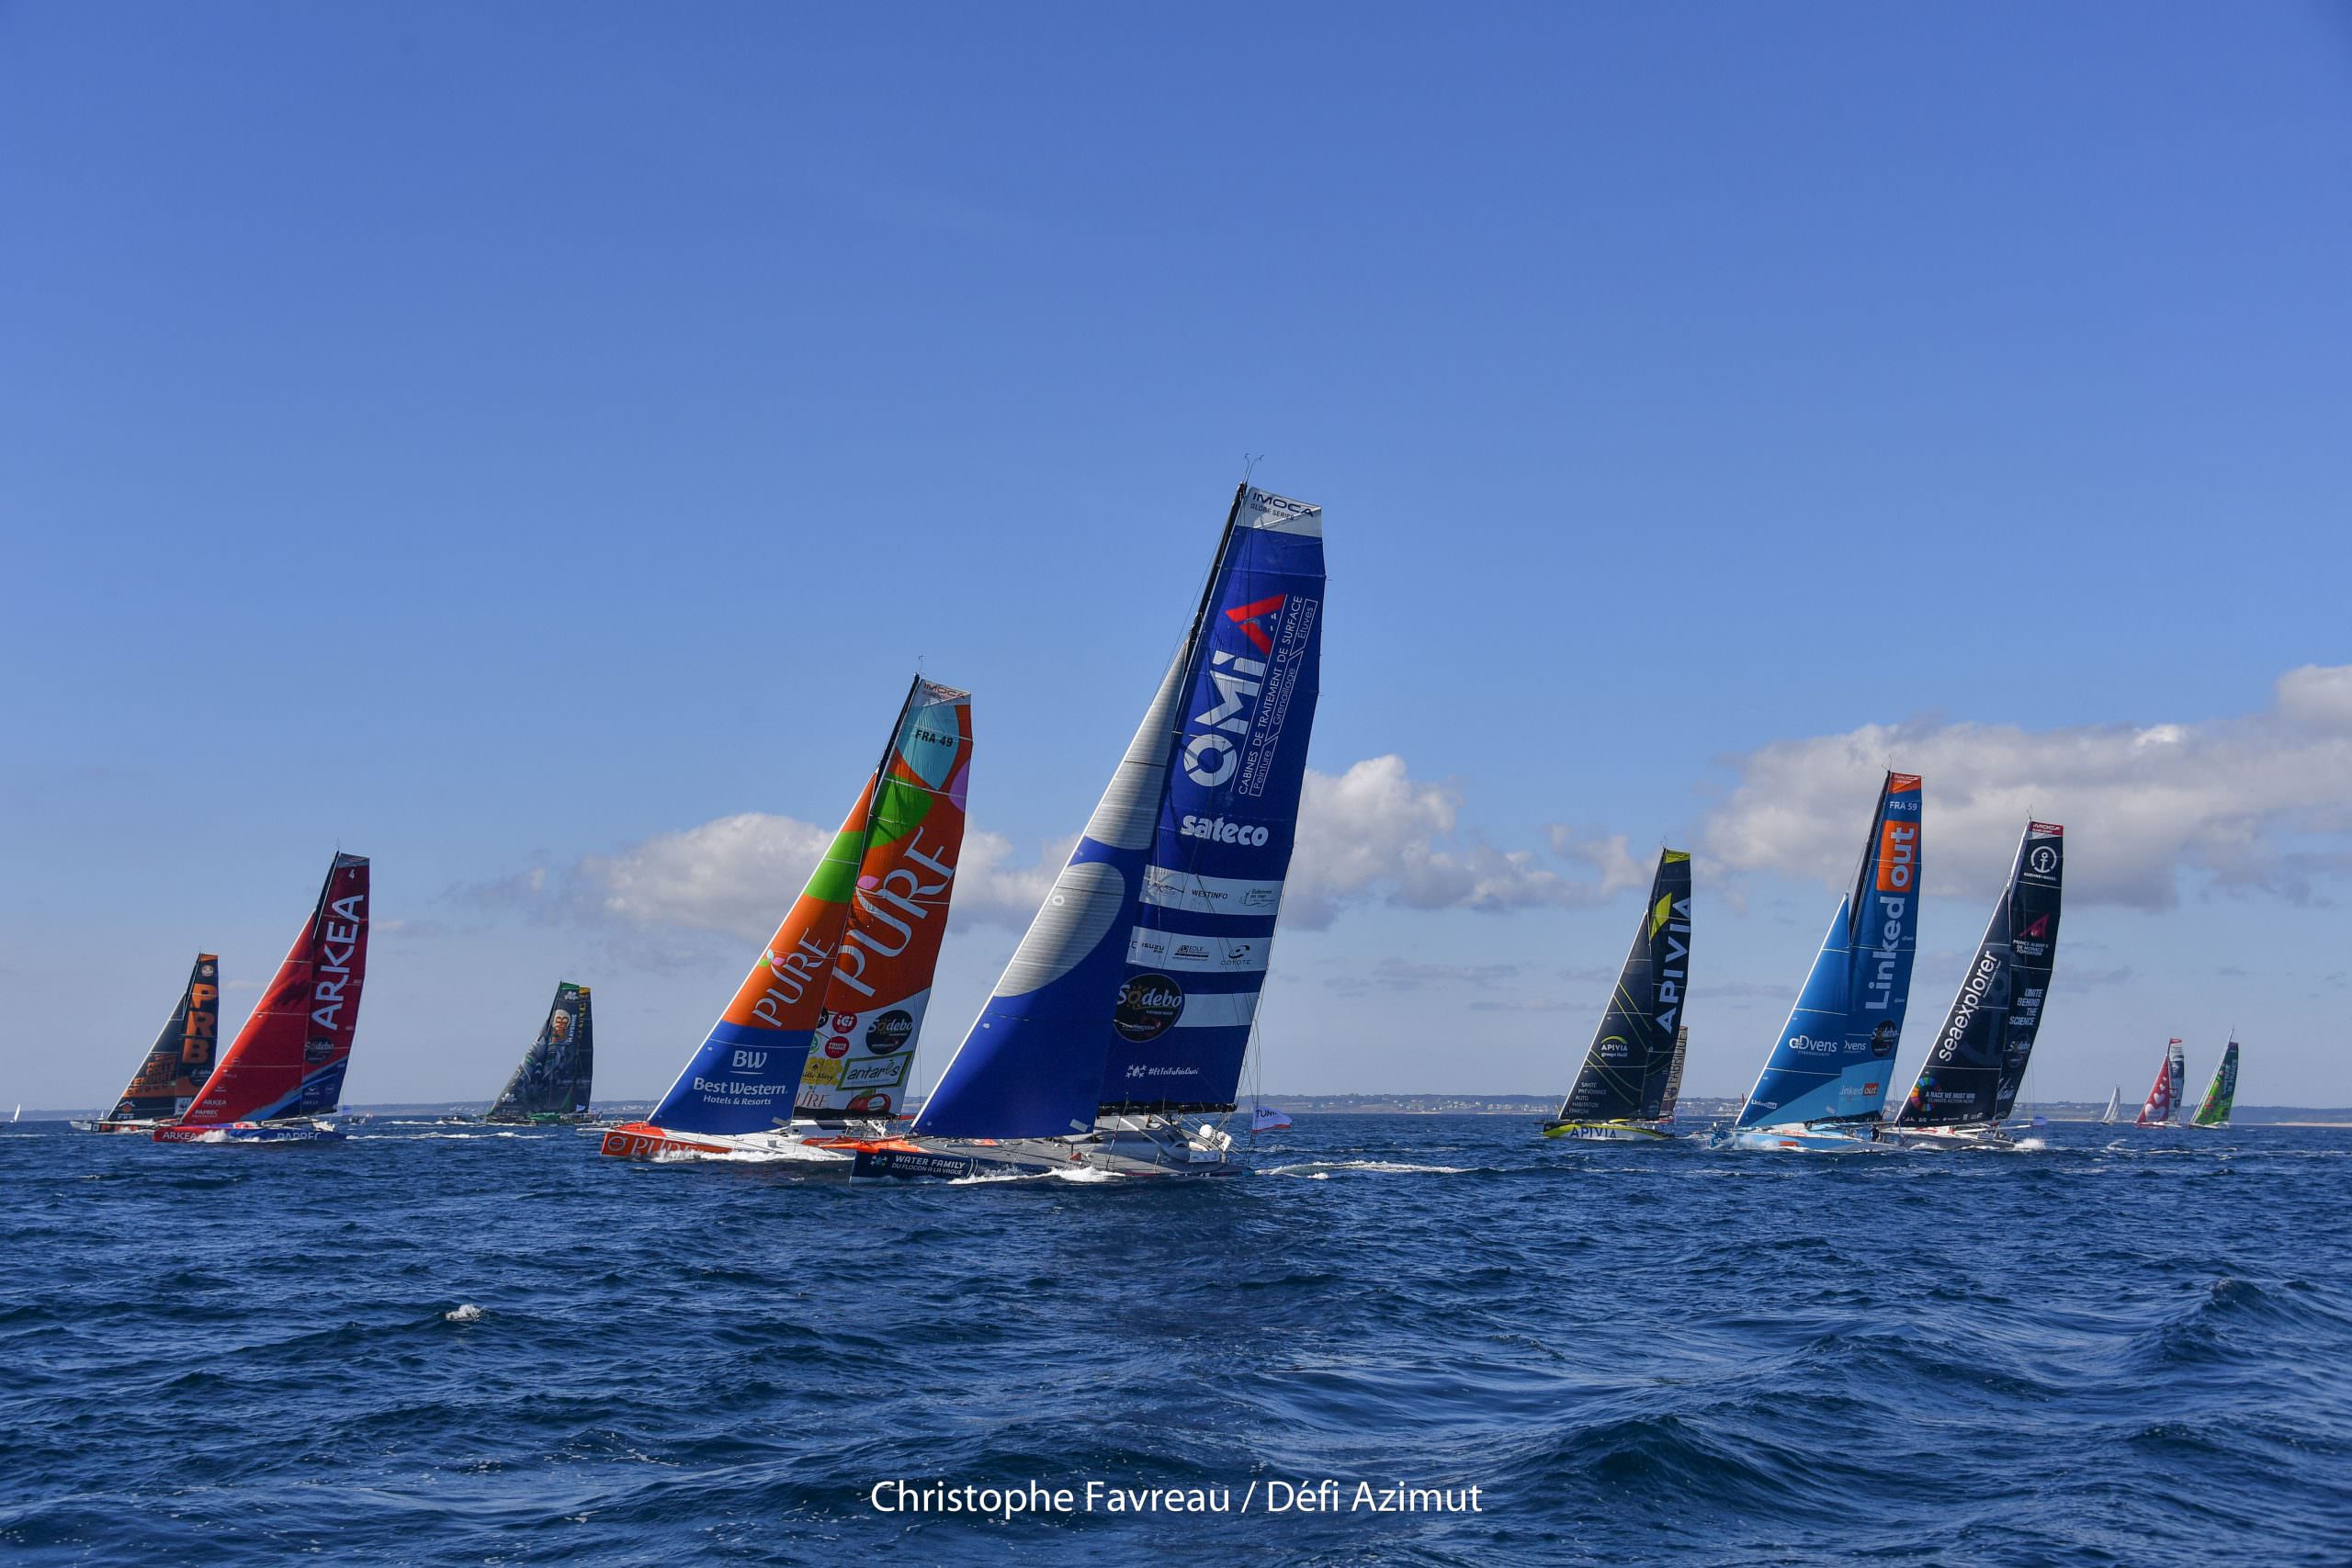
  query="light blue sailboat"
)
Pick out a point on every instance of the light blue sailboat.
point(1825, 1080)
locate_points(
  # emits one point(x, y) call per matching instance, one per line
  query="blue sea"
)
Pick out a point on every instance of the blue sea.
point(2124, 1348)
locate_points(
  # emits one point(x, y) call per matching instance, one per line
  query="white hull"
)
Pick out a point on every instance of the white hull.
point(1807, 1140)
point(821, 1150)
point(1121, 1149)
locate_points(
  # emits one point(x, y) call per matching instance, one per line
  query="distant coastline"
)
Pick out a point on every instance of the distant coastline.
point(1696, 1110)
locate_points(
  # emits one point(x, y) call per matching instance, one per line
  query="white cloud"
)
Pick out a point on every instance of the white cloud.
point(1376, 834)
point(1373, 834)
point(2258, 802)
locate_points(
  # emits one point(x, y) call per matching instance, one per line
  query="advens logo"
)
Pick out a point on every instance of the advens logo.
point(1252, 693)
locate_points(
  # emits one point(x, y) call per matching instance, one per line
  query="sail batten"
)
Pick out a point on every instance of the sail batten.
point(1136, 988)
point(1836, 1052)
point(290, 1056)
point(1633, 1066)
point(1973, 1070)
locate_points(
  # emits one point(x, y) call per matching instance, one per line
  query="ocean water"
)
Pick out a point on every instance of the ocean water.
point(437, 1345)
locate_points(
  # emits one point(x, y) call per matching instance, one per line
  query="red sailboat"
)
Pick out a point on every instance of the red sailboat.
point(284, 1071)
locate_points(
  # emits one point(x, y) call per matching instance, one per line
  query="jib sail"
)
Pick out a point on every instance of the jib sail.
point(1634, 1053)
point(2214, 1110)
point(556, 1074)
point(289, 1058)
point(1835, 1053)
point(177, 1066)
point(1137, 983)
point(1973, 1070)
point(880, 985)
point(2164, 1096)
point(747, 1071)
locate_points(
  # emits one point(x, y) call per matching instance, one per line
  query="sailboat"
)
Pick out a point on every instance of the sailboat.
point(284, 1071)
point(2164, 1098)
point(2114, 1112)
point(818, 1042)
point(1131, 1001)
point(1823, 1084)
point(552, 1082)
point(172, 1074)
point(1969, 1081)
point(1620, 1094)
point(2221, 1093)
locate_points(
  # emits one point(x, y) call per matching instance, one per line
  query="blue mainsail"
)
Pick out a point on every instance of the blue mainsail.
point(1204, 922)
point(1137, 982)
point(1835, 1053)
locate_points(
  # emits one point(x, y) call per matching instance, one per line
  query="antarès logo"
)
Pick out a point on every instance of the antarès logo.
point(1217, 831)
point(1148, 1005)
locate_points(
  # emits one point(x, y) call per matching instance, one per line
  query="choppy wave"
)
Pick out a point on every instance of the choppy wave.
point(480, 1344)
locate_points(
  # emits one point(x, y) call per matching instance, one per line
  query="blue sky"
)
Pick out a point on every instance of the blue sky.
point(507, 441)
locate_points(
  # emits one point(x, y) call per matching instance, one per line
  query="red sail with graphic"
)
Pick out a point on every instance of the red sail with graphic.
point(288, 1059)
point(2165, 1097)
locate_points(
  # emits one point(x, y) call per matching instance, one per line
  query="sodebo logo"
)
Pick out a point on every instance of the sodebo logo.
point(1217, 831)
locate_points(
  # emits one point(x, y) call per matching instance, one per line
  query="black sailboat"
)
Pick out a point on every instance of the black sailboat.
point(1969, 1082)
point(551, 1083)
point(1633, 1066)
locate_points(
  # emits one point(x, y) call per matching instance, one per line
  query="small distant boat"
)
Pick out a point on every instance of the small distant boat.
point(2221, 1093)
point(1968, 1084)
point(2164, 1098)
point(551, 1083)
point(284, 1071)
point(1824, 1082)
point(172, 1074)
point(1265, 1119)
point(1624, 1093)
point(816, 1045)
point(1131, 1002)
point(2114, 1112)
